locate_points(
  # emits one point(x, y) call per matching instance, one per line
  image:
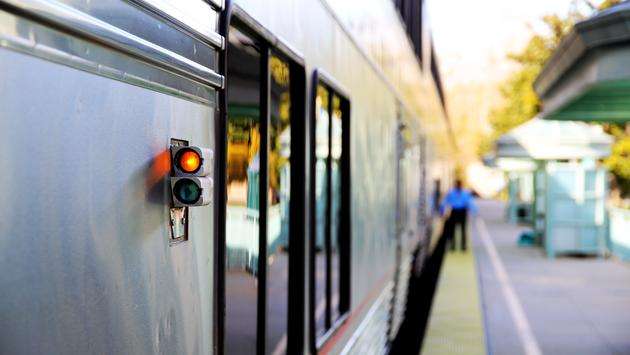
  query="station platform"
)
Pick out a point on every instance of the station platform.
point(501, 298)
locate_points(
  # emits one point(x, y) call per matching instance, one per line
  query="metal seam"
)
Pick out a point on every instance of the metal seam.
point(41, 51)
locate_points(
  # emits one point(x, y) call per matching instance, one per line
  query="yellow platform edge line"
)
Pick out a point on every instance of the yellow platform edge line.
point(456, 324)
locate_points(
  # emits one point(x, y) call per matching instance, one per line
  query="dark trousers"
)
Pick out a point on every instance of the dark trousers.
point(456, 219)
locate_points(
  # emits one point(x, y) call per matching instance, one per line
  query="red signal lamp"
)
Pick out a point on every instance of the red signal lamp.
point(192, 161)
point(188, 161)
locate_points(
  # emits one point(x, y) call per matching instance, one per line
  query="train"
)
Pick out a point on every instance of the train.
point(323, 134)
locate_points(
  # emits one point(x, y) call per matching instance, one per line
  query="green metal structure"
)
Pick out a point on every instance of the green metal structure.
point(588, 78)
point(575, 212)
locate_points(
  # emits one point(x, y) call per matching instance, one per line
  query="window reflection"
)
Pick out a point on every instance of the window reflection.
point(321, 204)
point(279, 197)
point(331, 250)
point(335, 203)
point(243, 170)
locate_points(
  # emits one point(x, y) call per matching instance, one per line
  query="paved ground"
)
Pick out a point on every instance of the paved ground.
point(570, 305)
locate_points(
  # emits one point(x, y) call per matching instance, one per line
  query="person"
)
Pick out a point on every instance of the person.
point(459, 202)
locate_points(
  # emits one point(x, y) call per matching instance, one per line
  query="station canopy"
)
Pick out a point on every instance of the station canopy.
point(540, 139)
point(588, 77)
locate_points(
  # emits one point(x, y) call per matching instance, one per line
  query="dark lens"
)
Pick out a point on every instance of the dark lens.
point(187, 191)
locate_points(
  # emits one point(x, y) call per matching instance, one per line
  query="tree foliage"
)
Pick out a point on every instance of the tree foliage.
point(520, 102)
point(619, 160)
point(608, 3)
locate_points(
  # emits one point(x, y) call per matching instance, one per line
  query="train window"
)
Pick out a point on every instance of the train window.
point(330, 210)
point(265, 168)
point(335, 202)
point(321, 206)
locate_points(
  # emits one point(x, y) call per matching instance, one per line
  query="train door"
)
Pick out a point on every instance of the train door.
point(395, 318)
point(408, 206)
point(430, 200)
point(426, 208)
point(264, 196)
point(424, 211)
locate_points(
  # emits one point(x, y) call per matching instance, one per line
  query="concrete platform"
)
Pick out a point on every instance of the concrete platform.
point(529, 303)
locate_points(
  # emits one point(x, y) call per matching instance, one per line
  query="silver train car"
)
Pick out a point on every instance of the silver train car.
point(322, 134)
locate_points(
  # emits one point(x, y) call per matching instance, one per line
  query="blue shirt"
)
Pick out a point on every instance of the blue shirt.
point(459, 200)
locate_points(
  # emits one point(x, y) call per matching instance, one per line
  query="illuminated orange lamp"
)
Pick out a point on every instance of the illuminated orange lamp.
point(188, 161)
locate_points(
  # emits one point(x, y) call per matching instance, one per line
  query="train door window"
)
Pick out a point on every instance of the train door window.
point(279, 203)
point(243, 189)
point(330, 241)
point(265, 128)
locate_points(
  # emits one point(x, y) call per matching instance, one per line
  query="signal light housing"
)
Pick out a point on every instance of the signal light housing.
point(192, 161)
point(191, 191)
point(191, 185)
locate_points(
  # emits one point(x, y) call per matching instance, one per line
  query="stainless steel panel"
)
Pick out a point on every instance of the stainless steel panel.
point(399, 300)
point(370, 336)
point(84, 241)
point(78, 22)
point(29, 37)
point(195, 15)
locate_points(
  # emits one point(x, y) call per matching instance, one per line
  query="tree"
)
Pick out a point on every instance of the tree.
point(520, 101)
point(619, 160)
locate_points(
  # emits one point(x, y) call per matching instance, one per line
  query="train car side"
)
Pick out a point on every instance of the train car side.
point(98, 260)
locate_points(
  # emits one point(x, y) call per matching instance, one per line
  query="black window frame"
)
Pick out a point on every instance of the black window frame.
point(233, 16)
point(321, 77)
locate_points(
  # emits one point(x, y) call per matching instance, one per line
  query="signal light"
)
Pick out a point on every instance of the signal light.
point(188, 161)
point(187, 191)
point(192, 161)
point(191, 191)
point(191, 186)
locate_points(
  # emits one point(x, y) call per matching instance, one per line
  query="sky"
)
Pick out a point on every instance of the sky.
point(472, 38)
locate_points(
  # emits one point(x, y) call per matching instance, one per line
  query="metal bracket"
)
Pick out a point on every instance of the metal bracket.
point(178, 216)
point(178, 224)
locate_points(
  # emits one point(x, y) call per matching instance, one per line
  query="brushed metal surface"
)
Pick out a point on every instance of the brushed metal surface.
point(71, 19)
point(84, 220)
point(195, 15)
point(26, 36)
